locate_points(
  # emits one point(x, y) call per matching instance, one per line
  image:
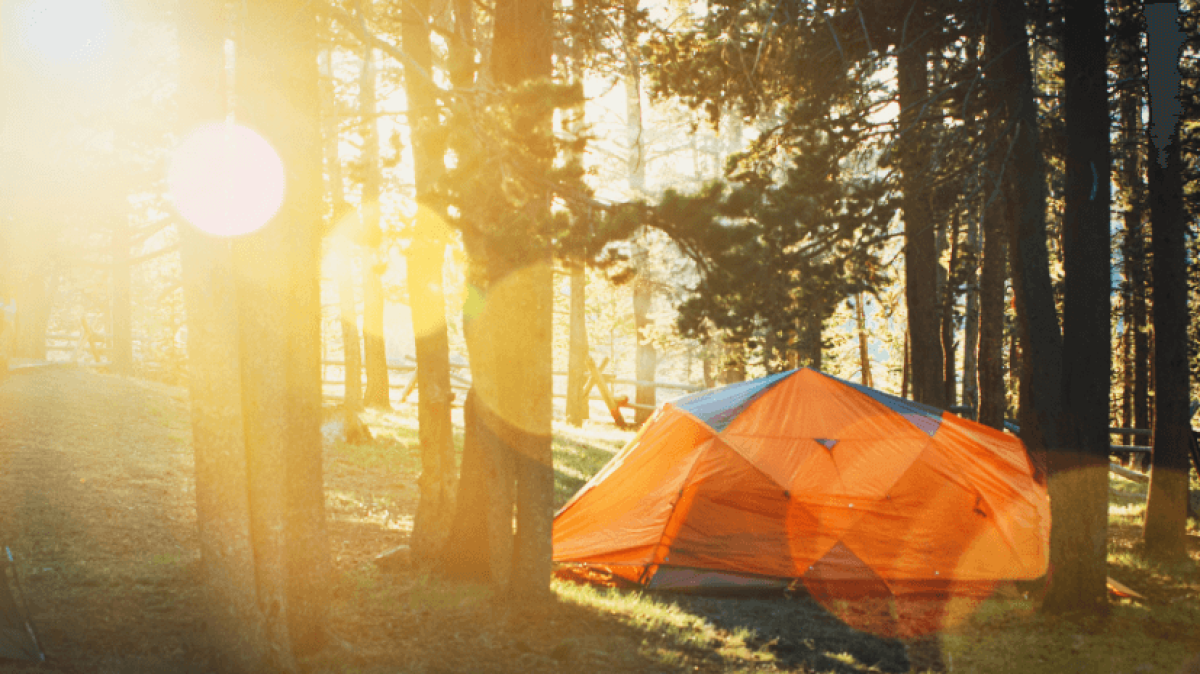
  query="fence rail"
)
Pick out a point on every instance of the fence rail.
point(458, 382)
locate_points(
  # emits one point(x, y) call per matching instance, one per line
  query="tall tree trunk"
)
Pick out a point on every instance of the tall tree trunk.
point(120, 355)
point(920, 257)
point(578, 349)
point(519, 306)
point(733, 363)
point(1126, 372)
point(1079, 472)
point(1013, 385)
point(344, 240)
point(970, 396)
point(279, 309)
point(236, 625)
point(479, 547)
point(378, 392)
point(707, 366)
point(864, 355)
point(427, 299)
point(646, 356)
point(1141, 330)
point(949, 299)
point(1134, 403)
point(577, 402)
point(1037, 323)
point(1166, 509)
point(993, 394)
point(348, 319)
point(810, 339)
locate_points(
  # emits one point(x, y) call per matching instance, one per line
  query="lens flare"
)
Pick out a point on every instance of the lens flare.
point(62, 32)
point(226, 180)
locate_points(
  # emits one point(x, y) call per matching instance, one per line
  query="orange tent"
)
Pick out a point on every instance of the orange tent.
point(801, 476)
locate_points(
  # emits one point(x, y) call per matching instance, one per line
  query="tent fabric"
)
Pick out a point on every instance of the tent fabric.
point(803, 477)
point(17, 641)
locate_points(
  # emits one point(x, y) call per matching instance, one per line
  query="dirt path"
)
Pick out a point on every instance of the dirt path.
point(96, 504)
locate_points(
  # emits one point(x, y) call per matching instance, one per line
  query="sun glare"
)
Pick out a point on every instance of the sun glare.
point(226, 179)
point(62, 32)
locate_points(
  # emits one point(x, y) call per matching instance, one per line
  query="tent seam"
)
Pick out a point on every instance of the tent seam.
point(670, 517)
point(916, 407)
point(720, 435)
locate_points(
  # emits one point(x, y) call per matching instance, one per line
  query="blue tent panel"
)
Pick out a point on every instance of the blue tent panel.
point(719, 407)
point(924, 417)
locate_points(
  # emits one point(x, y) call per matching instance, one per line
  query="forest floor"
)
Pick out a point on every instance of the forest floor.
point(97, 503)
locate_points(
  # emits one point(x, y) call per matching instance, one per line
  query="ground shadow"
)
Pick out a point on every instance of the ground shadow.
point(799, 632)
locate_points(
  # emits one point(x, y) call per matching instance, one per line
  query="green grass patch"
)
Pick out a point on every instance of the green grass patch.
point(577, 458)
point(1130, 640)
point(673, 635)
point(602, 629)
point(642, 610)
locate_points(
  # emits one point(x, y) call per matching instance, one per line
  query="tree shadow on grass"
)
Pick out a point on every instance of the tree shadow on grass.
point(800, 633)
point(410, 622)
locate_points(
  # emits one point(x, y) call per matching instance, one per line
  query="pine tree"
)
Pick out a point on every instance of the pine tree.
point(1166, 509)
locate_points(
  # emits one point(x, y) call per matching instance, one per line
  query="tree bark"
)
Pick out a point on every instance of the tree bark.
point(646, 356)
point(920, 257)
point(507, 321)
point(733, 363)
point(378, 393)
point(1126, 372)
point(279, 309)
point(949, 299)
point(1141, 329)
point(577, 402)
point(810, 340)
point(427, 300)
point(1135, 397)
point(1037, 323)
point(519, 307)
point(479, 547)
point(864, 355)
point(345, 237)
point(236, 625)
point(993, 394)
point(1166, 510)
point(970, 395)
point(1079, 473)
point(578, 408)
point(348, 319)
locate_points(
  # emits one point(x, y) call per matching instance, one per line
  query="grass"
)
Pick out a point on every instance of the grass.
point(111, 525)
point(607, 629)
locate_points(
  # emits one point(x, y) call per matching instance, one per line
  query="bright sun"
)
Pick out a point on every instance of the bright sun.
point(62, 32)
point(226, 179)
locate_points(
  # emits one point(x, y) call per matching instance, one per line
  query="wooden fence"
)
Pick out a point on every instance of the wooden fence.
point(600, 389)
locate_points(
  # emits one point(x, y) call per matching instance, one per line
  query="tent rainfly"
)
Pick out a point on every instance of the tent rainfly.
point(800, 477)
point(17, 638)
